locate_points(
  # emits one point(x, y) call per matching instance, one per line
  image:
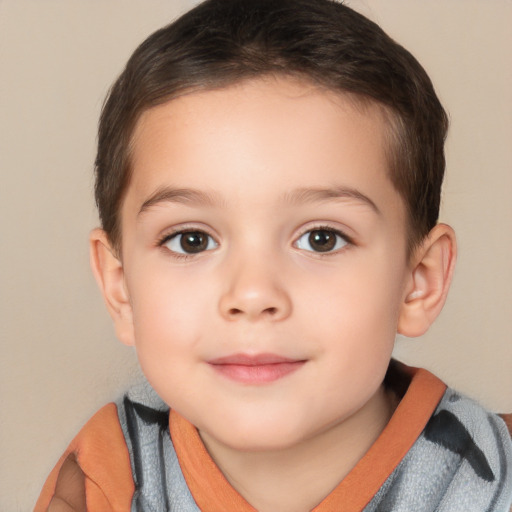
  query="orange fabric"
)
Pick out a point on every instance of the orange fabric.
point(410, 418)
point(70, 488)
point(207, 484)
point(49, 487)
point(212, 491)
point(508, 421)
point(103, 457)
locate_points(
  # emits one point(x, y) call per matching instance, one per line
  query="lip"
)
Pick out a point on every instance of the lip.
point(255, 369)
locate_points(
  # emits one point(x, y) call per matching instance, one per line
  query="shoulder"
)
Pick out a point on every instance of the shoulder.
point(461, 460)
point(94, 473)
point(100, 447)
point(462, 426)
point(472, 449)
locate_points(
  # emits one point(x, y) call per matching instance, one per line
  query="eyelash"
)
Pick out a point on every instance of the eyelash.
point(321, 228)
point(348, 241)
point(183, 231)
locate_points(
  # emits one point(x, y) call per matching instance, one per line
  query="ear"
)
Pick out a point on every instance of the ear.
point(432, 267)
point(109, 273)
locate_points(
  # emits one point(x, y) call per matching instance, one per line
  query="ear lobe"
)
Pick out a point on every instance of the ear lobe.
point(431, 275)
point(109, 273)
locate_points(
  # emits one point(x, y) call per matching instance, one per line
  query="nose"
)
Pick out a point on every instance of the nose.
point(254, 292)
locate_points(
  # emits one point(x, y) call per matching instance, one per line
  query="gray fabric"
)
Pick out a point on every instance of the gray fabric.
point(159, 482)
point(462, 462)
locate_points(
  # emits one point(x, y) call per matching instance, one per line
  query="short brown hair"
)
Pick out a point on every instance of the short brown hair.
point(221, 42)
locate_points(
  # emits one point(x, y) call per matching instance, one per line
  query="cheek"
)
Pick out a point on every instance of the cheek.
point(168, 328)
point(168, 311)
point(358, 309)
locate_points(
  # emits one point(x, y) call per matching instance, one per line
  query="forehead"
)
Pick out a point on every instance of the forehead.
point(273, 128)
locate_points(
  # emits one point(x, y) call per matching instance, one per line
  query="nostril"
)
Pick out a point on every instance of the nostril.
point(267, 311)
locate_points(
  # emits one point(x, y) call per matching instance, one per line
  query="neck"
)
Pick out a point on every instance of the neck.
point(299, 477)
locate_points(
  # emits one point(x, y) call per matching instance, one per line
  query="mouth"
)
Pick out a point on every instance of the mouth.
point(255, 369)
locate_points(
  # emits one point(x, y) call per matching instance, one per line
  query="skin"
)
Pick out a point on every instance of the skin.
point(264, 163)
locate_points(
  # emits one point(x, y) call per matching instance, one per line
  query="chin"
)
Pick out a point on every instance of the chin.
point(268, 436)
point(270, 444)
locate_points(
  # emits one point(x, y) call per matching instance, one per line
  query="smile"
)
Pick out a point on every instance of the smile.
point(257, 369)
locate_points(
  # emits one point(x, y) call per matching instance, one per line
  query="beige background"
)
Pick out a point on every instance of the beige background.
point(59, 360)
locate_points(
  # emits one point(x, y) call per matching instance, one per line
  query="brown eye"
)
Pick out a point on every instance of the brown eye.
point(321, 240)
point(195, 241)
point(190, 242)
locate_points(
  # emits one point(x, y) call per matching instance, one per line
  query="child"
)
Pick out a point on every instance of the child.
point(268, 179)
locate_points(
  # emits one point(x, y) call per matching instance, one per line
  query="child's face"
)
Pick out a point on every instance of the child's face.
point(273, 318)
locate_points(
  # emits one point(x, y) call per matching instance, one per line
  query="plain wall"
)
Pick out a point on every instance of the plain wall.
point(59, 358)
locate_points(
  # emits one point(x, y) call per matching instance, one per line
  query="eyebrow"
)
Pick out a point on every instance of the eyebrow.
point(311, 195)
point(297, 196)
point(178, 195)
